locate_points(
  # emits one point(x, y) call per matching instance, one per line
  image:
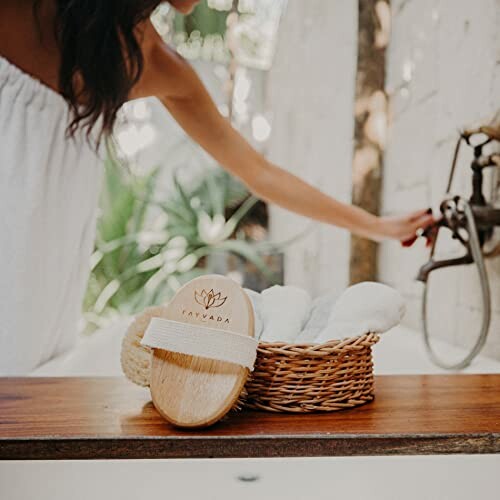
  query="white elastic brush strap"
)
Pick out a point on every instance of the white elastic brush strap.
point(196, 340)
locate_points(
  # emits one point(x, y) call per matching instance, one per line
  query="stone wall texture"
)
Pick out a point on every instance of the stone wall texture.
point(443, 74)
point(311, 96)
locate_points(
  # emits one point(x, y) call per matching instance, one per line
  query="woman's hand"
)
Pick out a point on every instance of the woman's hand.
point(406, 228)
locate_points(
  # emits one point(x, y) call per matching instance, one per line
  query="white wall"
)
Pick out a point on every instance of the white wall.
point(443, 74)
point(310, 94)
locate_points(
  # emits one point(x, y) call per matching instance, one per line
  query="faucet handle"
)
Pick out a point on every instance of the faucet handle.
point(490, 131)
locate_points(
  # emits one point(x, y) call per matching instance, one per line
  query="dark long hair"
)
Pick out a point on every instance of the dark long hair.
point(98, 44)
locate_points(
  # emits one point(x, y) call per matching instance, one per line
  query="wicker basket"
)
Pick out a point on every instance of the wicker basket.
point(297, 378)
point(303, 378)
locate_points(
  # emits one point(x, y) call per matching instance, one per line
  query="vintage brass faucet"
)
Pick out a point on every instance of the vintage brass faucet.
point(471, 222)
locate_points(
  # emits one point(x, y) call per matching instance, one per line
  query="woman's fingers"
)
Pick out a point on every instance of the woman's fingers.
point(409, 242)
point(418, 222)
point(419, 214)
point(409, 227)
point(423, 221)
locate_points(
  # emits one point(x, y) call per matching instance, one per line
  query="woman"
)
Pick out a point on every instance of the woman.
point(66, 67)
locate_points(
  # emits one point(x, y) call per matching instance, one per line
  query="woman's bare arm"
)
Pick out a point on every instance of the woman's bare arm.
point(170, 78)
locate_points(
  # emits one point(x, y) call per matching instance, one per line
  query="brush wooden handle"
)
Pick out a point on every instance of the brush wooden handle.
point(194, 391)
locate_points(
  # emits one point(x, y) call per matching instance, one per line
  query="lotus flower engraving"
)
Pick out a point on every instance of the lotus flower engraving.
point(209, 299)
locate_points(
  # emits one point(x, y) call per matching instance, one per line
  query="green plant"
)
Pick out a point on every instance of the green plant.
point(146, 248)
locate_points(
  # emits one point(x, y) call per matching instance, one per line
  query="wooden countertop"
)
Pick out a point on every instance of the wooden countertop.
point(97, 418)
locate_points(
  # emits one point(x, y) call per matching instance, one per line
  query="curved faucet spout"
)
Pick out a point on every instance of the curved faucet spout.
point(431, 265)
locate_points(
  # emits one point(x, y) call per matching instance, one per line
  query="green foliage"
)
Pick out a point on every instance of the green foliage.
point(203, 19)
point(146, 248)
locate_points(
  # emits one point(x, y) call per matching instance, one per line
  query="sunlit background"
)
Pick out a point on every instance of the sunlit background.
point(364, 102)
point(172, 213)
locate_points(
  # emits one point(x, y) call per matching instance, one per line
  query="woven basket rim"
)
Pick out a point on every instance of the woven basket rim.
point(314, 349)
point(309, 377)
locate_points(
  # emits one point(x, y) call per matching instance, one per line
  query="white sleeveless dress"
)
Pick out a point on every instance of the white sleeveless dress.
point(49, 187)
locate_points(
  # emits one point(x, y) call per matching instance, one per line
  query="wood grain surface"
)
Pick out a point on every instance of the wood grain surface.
point(97, 418)
point(191, 391)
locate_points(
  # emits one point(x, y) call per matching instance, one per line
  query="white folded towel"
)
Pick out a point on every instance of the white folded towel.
point(362, 308)
point(285, 310)
point(256, 300)
point(321, 309)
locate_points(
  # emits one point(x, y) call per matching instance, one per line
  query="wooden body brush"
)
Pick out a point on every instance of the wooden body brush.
point(203, 351)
